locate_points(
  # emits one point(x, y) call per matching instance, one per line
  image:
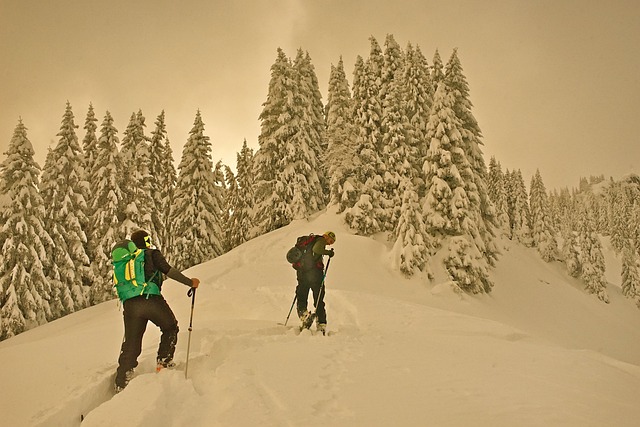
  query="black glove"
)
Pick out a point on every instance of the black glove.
point(331, 253)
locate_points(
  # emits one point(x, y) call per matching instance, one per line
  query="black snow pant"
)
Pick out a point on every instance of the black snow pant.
point(311, 280)
point(137, 312)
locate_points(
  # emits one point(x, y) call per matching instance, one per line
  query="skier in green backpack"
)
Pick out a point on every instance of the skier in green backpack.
point(142, 301)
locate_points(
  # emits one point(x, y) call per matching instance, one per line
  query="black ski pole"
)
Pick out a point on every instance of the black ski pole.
point(291, 309)
point(192, 294)
point(321, 294)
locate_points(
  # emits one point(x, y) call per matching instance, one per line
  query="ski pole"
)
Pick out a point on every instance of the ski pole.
point(192, 294)
point(321, 293)
point(295, 296)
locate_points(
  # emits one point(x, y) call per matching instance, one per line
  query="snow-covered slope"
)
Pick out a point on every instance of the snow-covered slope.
point(538, 351)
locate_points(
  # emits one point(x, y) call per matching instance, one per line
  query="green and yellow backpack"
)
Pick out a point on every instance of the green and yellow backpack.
point(128, 271)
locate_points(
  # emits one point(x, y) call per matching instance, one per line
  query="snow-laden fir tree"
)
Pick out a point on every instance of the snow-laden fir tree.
point(570, 252)
point(24, 289)
point(309, 89)
point(228, 214)
point(369, 215)
point(340, 157)
point(418, 101)
point(57, 265)
point(271, 211)
point(107, 210)
point(498, 193)
point(437, 70)
point(630, 275)
point(163, 178)
point(591, 257)
point(288, 173)
point(397, 147)
point(220, 196)
point(477, 192)
point(447, 208)
point(63, 189)
point(635, 226)
point(411, 248)
point(196, 214)
point(240, 201)
point(519, 213)
point(542, 230)
point(136, 178)
point(620, 217)
point(90, 143)
point(301, 169)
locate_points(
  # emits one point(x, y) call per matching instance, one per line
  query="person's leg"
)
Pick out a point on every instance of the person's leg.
point(162, 316)
point(318, 297)
point(302, 294)
point(135, 324)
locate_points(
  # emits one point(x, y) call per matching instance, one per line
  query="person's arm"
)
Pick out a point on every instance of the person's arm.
point(161, 264)
point(319, 247)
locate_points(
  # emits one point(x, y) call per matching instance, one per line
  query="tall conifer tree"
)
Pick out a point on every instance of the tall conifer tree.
point(63, 190)
point(163, 178)
point(195, 214)
point(107, 210)
point(24, 289)
point(543, 233)
point(341, 156)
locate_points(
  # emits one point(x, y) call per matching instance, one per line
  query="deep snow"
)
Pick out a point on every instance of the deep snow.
point(538, 351)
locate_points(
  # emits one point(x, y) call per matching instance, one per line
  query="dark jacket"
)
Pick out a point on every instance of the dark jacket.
point(156, 266)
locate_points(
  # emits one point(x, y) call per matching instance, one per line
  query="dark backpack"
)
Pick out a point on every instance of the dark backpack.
point(301, 255)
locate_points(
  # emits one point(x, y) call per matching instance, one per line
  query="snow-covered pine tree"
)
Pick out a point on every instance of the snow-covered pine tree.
point(107, 211)
point(446, 207)
point(24, 289)
point(90, 152)
point(288, 173)
point(90, 143)
point(195, 213)
point(411, 249)
point(163, 178)
point(542, 230)
point(61, 301)
point(437, 73)
point(340, 156)
point(242, 204)
point(570, 253)
point(310, 92)
point(136, 181)
point(630, 275)
point(397, 147)
point(635, 225)
point(219, 197)
point(477, 192)
point(498, 193)
point(63, 189)
point(619, 212)
point(300, 169)
point(520, 213)
point(228, 214)
point(369, 215)
point(270, 195)
point(591, 257)
point(418, 101)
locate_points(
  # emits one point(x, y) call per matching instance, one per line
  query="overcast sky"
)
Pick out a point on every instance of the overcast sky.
point(555, 83)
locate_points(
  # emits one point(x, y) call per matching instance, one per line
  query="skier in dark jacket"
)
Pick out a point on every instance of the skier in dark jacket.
point(311, 277)
point(139, 309)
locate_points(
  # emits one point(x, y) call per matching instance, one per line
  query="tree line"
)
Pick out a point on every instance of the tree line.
point(398, 152)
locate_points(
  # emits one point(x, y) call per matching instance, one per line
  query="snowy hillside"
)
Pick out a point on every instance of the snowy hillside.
point(538, 351)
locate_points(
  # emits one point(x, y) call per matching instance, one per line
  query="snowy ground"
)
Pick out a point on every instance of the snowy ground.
point(536, 352)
